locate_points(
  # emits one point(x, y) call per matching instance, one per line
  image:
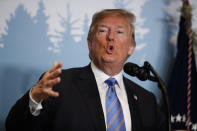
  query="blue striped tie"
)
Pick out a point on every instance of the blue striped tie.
point(115, 117)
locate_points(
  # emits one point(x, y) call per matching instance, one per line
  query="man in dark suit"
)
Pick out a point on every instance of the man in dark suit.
point(92, 98)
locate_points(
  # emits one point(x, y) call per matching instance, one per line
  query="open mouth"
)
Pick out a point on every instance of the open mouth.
point(110, 49)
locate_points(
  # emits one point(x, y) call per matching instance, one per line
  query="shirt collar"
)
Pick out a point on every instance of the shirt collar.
point(101, 76)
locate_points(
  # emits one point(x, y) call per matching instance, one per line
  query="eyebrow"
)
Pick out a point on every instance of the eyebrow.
point(102, 25)
point(118, 26)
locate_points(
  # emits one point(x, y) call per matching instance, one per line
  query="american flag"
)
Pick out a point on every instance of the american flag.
point(182, 85)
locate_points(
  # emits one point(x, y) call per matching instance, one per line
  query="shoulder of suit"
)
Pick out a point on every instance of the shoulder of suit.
point(137, 88)
point(74, 70)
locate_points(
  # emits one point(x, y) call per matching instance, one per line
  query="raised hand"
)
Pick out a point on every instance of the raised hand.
point(44, 87)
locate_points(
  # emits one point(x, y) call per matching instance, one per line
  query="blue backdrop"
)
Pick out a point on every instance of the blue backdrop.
point(34, 34)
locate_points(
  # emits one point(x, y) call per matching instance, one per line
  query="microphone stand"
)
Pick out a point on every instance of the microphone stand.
point(161, 86)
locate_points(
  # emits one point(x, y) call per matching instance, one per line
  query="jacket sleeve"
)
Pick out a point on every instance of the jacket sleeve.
point(19, 117)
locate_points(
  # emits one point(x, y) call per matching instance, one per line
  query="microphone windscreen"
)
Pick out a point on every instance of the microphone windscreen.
point(131, 69)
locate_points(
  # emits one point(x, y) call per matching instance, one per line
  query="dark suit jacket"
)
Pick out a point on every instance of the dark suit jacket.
point(78, 108)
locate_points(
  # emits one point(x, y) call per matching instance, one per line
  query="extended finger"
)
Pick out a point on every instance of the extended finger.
point(52, 82)
point(51, 93)
point(54, 74)
point(56, 65)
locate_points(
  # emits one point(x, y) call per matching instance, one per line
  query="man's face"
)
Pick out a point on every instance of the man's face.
point(112, 42)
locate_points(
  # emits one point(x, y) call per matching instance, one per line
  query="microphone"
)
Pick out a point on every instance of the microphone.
point(142, 73)
point(131, 69)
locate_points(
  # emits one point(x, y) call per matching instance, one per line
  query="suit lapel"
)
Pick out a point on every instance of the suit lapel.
point(88, 88)
point(133, 105)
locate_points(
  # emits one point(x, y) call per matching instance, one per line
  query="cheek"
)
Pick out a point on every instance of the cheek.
point(99, 44)
point(96, 48)
point(124, 50)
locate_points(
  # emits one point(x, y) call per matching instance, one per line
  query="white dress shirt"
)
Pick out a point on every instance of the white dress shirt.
point(120, 91)
point(102, 88)
point(34, 106)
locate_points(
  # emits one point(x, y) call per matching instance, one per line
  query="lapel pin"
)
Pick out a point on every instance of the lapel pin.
point(135, 97)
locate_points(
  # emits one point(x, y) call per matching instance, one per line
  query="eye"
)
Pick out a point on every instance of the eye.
point(120, 32)
point(102, 30)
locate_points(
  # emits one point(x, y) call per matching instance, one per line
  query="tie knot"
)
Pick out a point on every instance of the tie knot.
point(111, 81)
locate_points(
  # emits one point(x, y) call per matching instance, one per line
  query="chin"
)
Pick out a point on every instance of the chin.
point(111, 62)
point(109, 59)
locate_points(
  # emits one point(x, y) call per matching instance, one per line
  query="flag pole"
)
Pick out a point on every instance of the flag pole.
point(186, 12)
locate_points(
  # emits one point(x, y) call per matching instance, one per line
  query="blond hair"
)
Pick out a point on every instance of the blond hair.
point(129, 17)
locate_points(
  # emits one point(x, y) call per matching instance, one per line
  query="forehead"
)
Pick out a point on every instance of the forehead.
point(111, 21)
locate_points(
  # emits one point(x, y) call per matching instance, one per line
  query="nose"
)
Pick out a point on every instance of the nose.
point(110, 36)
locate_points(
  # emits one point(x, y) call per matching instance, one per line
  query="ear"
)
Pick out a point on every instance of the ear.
point(89, 45)
point(131, 49)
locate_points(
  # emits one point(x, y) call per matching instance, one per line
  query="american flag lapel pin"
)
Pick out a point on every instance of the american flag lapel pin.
point(135, 97)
